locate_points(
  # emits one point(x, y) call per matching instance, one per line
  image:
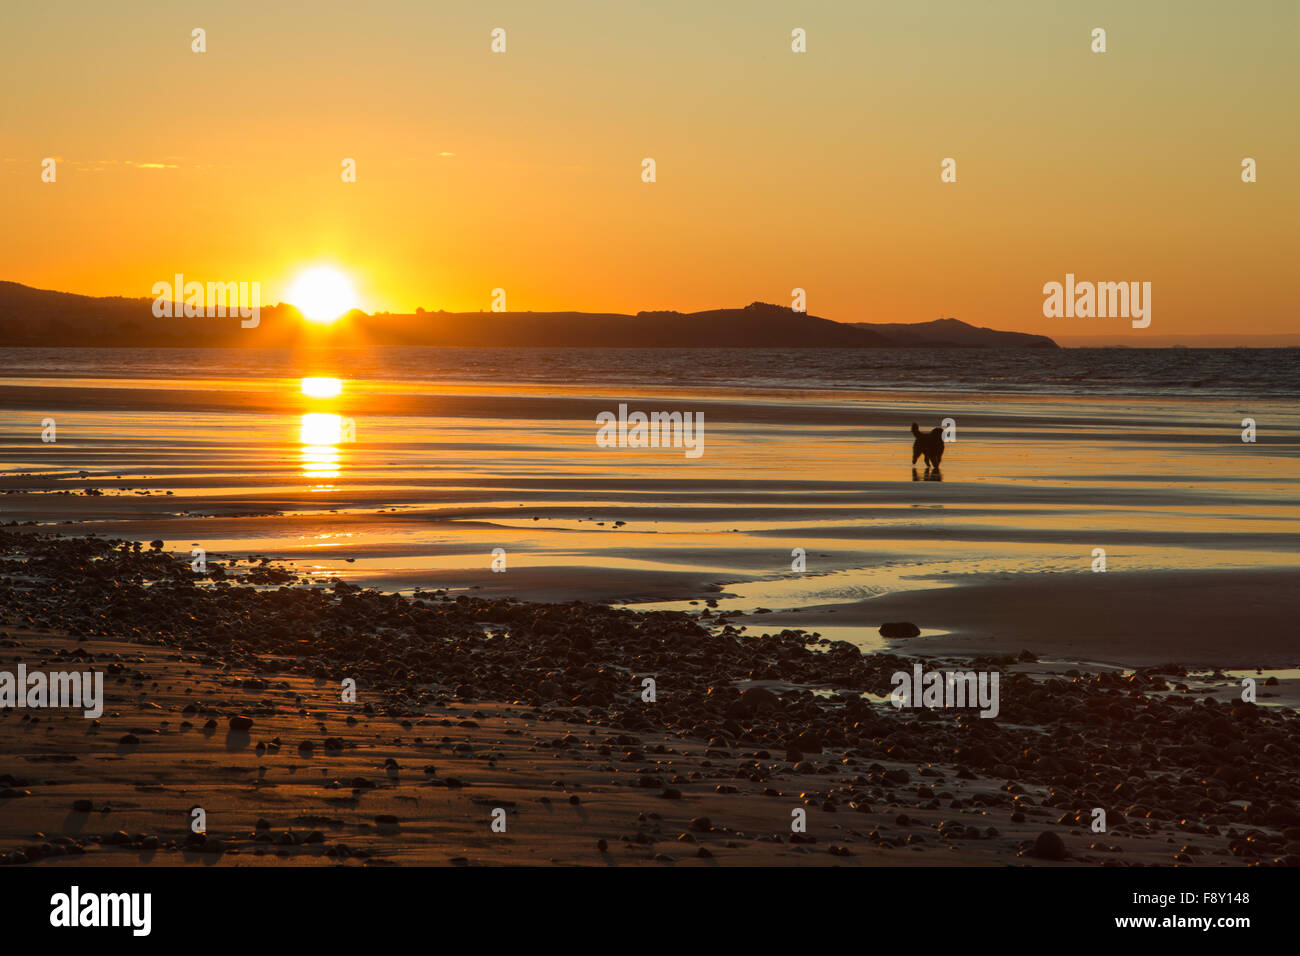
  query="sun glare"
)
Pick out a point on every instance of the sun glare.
point(322, 387)
point(322, 294)
point(320, 435)
point(319, 428)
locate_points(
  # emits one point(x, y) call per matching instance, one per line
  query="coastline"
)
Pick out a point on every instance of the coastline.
point(374, 559)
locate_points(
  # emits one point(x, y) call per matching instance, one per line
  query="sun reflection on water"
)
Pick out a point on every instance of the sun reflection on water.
point(321, 428)
point(322, 387)
point(320, 433)
point(320, 461)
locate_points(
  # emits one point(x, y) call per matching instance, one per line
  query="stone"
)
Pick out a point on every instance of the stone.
point(899, 629)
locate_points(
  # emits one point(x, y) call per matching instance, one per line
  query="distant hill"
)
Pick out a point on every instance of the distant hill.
point(41, 318)
point(756, 326)
point(953, 333)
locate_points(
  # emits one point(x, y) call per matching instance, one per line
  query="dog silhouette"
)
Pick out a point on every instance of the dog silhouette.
point(929, 444)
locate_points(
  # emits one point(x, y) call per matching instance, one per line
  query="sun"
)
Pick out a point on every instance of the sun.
point(322, 294)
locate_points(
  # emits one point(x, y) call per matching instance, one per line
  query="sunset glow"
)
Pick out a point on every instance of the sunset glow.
point(444, 437)
point(443, 212)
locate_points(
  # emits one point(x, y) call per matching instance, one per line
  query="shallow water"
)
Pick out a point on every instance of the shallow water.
point(417, 475)
point(1196, 373)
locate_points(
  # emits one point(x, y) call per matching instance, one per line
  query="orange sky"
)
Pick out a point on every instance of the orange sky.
point(775, 170)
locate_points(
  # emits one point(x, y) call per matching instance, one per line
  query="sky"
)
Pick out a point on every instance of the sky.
point(775, 170)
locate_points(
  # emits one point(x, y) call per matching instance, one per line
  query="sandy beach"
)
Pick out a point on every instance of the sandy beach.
point(374, 559)
point(228, 698)
point(446, 445)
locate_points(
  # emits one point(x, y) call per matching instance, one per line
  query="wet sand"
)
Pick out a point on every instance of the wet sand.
point(437, 479)
point(453, 766)
point(228, 698)
point(529, 705)
point(1198, 618)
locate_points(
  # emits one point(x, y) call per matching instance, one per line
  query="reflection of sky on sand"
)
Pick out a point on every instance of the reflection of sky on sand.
point(1031, 485)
